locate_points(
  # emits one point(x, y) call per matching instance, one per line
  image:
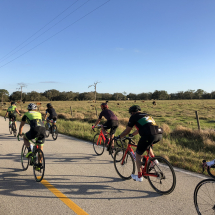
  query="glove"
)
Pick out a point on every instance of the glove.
point(5, 118)
point(130, 135)
point(93, 126)
point(117, 138)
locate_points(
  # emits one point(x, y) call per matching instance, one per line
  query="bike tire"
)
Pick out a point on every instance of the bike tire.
point(47, 130)
point(98, 148)
point(128, 167)
point(10, 130)
point(37, 157)
point(14, 129)
point(165, 172)
point(24, 160)
point(54, 132)
point(211, 171)
point(204, 197)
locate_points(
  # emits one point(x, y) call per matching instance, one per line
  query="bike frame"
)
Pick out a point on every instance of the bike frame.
point(146, 157)
point(101, 136)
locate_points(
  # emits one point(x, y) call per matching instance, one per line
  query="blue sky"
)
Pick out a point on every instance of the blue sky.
point(128, 45)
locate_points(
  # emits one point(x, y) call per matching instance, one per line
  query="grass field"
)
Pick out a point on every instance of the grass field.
point(183, 145)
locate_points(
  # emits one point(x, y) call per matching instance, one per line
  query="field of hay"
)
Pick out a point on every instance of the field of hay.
point(183, 145)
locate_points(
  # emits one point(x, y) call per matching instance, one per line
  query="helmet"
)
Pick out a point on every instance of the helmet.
point(104, 106)
point(134, 108)
point(13, 103)
point(49, 105)
point(32, 106)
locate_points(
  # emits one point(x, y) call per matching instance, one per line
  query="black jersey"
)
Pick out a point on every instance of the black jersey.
point(51, 112)
point(108, 115)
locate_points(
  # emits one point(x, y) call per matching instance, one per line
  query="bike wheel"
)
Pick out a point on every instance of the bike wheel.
point(54, 132)
point(163, 180)
point(14, 129)
point(24, 160)
point(47, 130)
point(127, 167)
point(211, 171)
point(10, 129)
point(38, 165)
point(98, 144)
point(204, 197)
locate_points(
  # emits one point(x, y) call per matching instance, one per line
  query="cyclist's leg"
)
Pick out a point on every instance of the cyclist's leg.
point(115, 124)
point(29, 136)
point(15, 122)
point(105, 127)
point(154, 139)
point(41, 137)
point(54, 120)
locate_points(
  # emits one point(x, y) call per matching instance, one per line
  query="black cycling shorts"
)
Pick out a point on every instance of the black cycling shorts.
point(147, 140)
point(12, 116)
point(39, 132)
point(50, 118)
point(112, 125)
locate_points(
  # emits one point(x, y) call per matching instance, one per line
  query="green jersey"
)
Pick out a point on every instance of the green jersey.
point(12, 110)
point(33, 118)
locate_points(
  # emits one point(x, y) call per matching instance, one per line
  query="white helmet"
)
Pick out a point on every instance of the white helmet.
point(32, 106)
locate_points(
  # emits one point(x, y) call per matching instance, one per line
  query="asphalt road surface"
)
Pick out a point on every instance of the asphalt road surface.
point(87, 183)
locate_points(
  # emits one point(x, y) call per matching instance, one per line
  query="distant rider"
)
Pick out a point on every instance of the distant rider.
point(52, 114)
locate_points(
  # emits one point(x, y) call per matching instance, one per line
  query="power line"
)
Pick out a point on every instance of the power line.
point(58, 32)
point(47, 29)
point(39, 29)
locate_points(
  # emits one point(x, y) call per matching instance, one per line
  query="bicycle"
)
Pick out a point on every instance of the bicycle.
point(36, 160)
point(12, 127)
point(210, 170)
point(156, 169)
point(51, 129)
point(99, 143)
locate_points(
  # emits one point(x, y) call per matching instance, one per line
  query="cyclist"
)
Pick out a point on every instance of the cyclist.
point(12, 110)
point(209, 163)
point(148, 131)
point(52, 114)
point(112, 123)
point(37, 129)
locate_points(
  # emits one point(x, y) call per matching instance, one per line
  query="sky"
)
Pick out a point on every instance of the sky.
point(131, 46)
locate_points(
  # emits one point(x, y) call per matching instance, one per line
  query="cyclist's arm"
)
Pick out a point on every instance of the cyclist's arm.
point(45, 116)
point(97, 122)
point(18, 111)
point(135, 133)
point(6, 114)
point(125, 132)
point(21, 127)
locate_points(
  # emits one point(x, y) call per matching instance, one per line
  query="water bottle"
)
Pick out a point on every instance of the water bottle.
point(32, 147)
point(134, 155)
point(10, 123)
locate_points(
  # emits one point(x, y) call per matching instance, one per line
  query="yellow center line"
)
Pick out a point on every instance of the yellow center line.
point(64, 198)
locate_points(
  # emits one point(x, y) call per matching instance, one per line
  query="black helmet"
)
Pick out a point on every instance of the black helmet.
point(13, 103)
point(134, 108)
point(49, 105)
point(104, 106)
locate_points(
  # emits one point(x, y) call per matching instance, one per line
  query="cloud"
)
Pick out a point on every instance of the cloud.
point(49, 82)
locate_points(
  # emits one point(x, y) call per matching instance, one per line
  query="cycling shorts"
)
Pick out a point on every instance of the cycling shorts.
point(112, 125)
point(12, 116)
point(37, 132)
point(147, 140)
point(54, 119)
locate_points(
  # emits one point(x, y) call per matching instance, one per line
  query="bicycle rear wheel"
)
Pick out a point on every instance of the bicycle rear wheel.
point(164, 179)
point(211, 171)
point(24, 160)
point(127, 167)
point(14, 129)
point(39, 165)
point(54, 132)
point(98, 144)
point(10, 129)
point(204, 197)
point(47, 130)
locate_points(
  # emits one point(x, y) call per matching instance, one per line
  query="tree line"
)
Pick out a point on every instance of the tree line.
point(55, 95)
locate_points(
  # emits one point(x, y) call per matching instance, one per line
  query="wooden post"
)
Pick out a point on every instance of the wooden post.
point(96, 111)
point(197, 117)
point(71, 110)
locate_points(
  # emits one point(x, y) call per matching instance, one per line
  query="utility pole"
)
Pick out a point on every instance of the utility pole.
point(94, 85)
point(20, 88)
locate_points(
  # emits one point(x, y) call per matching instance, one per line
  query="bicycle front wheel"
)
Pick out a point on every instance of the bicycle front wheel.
point(39, 165)
point(98, 144)
point(14, 129)
point(204, 197)
point(10, 129)
point(47, 130)
point(124, 163)
point(211, 171)
point(24, 160)
point(54, 132)
point(163, 179)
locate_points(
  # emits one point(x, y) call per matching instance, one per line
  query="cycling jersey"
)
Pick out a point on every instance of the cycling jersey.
point(143, 123)
point(108, 114)
point(51, 112)
point(33, 118)
point(12, 110)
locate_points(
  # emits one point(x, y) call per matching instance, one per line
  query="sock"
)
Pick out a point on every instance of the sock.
point(139, 174)
point(29, 149)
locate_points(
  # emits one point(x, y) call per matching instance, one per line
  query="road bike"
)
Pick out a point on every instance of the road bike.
point(157, 170)
point(204, 193)
point(37, 159)
point(99, 143)
point(51, 129)
point(12, 127)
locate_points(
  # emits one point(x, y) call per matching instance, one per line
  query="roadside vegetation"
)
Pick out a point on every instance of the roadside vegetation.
point(183, 144)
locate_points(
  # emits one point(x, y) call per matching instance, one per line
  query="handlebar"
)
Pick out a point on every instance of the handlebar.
point(98, 126)
point(18, 136)
point(203, 166)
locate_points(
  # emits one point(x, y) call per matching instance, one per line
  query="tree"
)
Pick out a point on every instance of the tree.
point(4, 95)
point(51, 94)
point(199, 93)
point(189, 94)
point(15, 96)
point(94, 85)
point(118, 96)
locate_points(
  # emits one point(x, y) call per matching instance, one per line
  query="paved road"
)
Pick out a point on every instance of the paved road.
point(88, 180)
